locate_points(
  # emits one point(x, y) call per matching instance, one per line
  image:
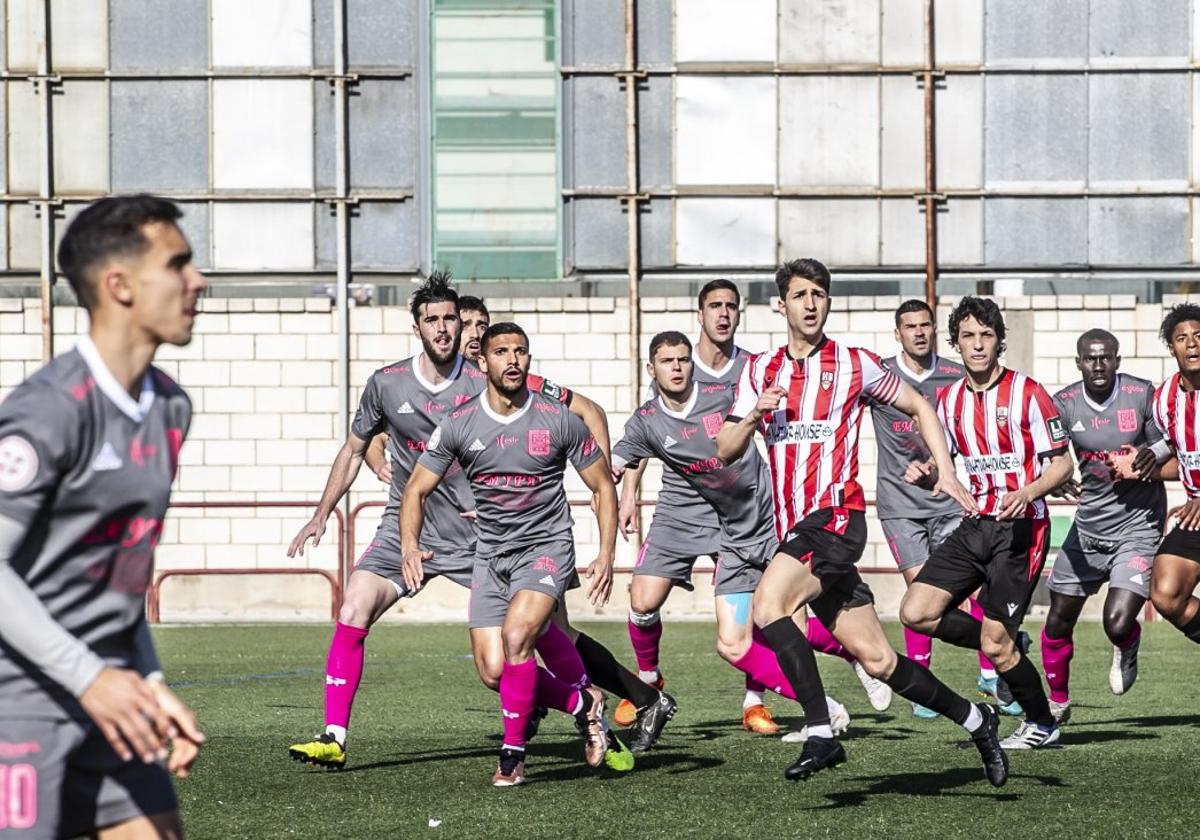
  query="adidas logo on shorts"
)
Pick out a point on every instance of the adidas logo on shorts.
point(547, 581)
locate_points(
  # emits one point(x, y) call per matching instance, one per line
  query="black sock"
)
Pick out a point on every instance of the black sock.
point(799, 665)
point(1025, 683)
point(918, 685)
point(1192, 629)
point(959, 628)
point(609, 674)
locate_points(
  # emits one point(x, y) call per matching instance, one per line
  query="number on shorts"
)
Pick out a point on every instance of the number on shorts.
point(18, 796)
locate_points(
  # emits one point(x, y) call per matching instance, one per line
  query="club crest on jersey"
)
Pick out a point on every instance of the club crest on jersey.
point(1002, 415)
point(539, 442)
point(18, 464)
point(826, 379)
point(435, 438)
point(1127, 420)
point(712, 423)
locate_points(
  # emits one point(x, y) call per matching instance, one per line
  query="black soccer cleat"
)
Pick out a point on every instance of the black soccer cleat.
point(987, 740)
point(535, 722)
point(650, 722)
point(818, 754)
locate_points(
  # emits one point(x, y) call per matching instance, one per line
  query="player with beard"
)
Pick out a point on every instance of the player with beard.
point(513, 446)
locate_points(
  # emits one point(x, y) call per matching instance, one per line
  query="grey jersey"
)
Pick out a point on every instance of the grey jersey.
point(899, 444)
point(1107, 507)
point(685, 441)
point(85, 474)
point(515, 467)
point(677, 502)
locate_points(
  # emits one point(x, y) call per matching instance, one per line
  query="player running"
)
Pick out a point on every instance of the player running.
point(807, 400)
point(89, 446)
point(1118, 524)
point(1014, 446)
point(513, 446)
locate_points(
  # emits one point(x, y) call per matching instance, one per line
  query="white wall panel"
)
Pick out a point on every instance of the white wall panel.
point(276, 236)
point(24, 138)
point(24, 237)
point(717, 30)
point(828, 31)
point(829, 131)
point(725, 130)
point(22, 17)
point(725, 231)
point(262, 134)
point(79, 34)
point(837, 232)
point(264, 33)
point(81, 137)
point(959, 132)
point(902, 137)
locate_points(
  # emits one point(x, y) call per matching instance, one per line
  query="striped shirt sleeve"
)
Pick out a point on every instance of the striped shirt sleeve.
point(878, 383)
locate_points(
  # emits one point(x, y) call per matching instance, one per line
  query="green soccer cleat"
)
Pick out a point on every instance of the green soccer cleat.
point(324, 751)
point(617, 756)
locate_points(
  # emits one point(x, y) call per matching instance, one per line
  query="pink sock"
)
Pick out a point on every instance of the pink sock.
point(1056, 662)
point(822, 640)
point(343, 671)
point(1133, 638)
point(645, 644)
point(518, 688)
point(561, 657)
point(918, 647)
point(759, 663)
point(553, 693)
point(985, 664)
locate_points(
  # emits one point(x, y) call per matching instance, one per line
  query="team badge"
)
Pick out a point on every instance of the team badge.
point(1002, 416)
point(435, 438)
point(712, 423)
point(826, 379)
point(1127, 420)
point(18, 464)
point(539, 442)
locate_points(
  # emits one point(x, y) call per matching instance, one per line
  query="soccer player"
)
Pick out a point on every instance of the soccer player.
point(1176, 407)
point(913, 522)
point(678, 426)
point(1118, 524)
point(513, 446)
point(88, 449)
point(1014, 446)
point(807, 400)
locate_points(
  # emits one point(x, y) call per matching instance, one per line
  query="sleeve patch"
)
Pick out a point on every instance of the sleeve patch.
point(1057, 432)
point(435, 438)
point(18, 464)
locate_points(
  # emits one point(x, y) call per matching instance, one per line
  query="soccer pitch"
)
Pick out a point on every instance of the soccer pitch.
point(424, 736)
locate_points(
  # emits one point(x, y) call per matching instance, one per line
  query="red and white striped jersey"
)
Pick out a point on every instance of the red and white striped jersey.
point(812, 438)
point(1003, 434)
point(1177, 416)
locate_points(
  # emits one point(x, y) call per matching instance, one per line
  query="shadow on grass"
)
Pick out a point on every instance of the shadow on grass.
point(1072, 736)
point(664, 761)
point(940, 783)
point(1159, 720)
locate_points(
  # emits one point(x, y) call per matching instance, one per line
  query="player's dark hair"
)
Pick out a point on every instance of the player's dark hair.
point(1175, 316)
point(669, 338)
point(496, 330)
point(470, 303)
point(1097, 334)
point(985, 311)
point(913, 305)
point(805, 268)
point(436, 289)
point(107, 228)
point(720, 283)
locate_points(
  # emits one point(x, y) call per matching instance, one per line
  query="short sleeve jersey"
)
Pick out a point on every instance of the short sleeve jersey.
point(1177, 415)
point(678, 503)
point(899, 444)
point(1109, 508)
point(515, 467)
point(812, 438)
point(1004, 434)
point(86, 471)
point(685, 441)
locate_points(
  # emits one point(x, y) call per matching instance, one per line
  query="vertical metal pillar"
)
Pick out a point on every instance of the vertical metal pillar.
point(342, 210)
point(44, 87)
point(930, 198)
point(632, 200)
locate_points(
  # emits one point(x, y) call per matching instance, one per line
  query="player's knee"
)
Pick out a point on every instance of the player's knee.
point(732, 647)
point(1118, 623)
point(1168, 598)
point(643, 618)
point(355, 613)
point(1000, 648)
point(765, 611)
point(1058, 627)
point(489, 673)
point(519, 639)
point(914, 616)
point(878, 661)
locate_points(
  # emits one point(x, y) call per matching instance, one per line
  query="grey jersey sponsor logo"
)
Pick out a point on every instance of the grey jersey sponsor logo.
point(1108, 507)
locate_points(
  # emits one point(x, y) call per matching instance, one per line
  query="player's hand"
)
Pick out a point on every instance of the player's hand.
point(1188, 515)
point(627, 511)
point(600, 573)
point(952, 487)
point(1069, 489)
point(183, 733)
point(127, 713)
point(314, 529)
point(768, 401)
point(1012, 505)
point(921, 474)
point(384, 473)
point(1144, 463)
point(414, 569)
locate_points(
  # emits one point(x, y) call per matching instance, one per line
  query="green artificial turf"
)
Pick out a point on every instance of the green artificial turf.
point(425, 733)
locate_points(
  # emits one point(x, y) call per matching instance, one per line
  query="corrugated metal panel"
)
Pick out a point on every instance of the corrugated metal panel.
point(902, 133)
point(716, 30)
point(725, 231)
point(80, 132)
point(1017, 29)
point(325, 137)
point(656, 33)
point(24, 237)
point(252, 117)
point(960, 133)
point(1138, 231)
point(24, 138)
point(175, 37)
point(79, 34)
point(1035, 231)
point(1160, 28)
point(829, 130)
point(599, 230)
point(325, 234)
point(839, 232)
point(160, 136)
point(828, 31)
point(902, 232)
point(197, 227)
point(597, 109)
point(594, 33)
point(656, 221)
point(707, 151)
point(383, 134)
point(263, 236)
point(385, 235)
point(656, 110)
point(265, 33)
point(1036, 129)
point(379, 33)
point(960, 232)
point(1139, 128)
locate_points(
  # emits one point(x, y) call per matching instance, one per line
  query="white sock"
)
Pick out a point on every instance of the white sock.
point(753, 698)
point(974, 720)
point(822, 731)
point(578, 705)
point(987, 673)
point(338, 733)
point(832, 705)
point(648, 677)
point(511, 747)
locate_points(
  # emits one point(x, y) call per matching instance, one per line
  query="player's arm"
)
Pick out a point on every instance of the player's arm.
point(183, 732)
point(629, 463)
point(376, 458)
point(595, 418)
point(604, 501)
point(749, 407)
point(420, 484)
point(930, 428)
point(1059, 469)
point(341, 475)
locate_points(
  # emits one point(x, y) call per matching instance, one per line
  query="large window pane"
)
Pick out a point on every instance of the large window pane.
point(263, 236)
point(160, 136)
point(706, 150)
point(176, 37)
point(717, 30)
point(725, 231)
point(253, 116)
point(265, 33)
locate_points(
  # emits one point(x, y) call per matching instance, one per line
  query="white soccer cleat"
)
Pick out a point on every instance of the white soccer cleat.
point(839, 722)
point(1124, 671)
point(879, 693)
point(1030, 736)
point(1061, 712)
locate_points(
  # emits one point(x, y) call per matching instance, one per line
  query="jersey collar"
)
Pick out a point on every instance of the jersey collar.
point(912, 374)
point(500, 418)
point(429, 386)
point(817, 348)
point(687, 409)
point(717, 374)
point(1108, 402)
point(135, 410)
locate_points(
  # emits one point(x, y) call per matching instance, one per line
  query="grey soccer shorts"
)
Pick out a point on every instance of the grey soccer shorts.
point(913, 540)
point(60, 778)
point(740, 569)
point(547, 567)
point(385, 558)
point(670, 551)
point(1086, 563)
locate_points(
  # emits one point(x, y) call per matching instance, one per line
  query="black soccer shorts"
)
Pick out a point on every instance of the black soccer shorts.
point(831, 542)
